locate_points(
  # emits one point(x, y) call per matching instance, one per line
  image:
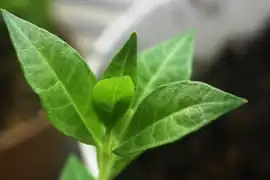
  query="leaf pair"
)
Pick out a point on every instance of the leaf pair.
point(167, 104)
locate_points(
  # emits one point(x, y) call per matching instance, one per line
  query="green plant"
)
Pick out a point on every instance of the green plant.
point(143, 100)
point(75, 170)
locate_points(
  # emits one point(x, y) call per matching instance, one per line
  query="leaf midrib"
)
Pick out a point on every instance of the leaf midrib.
point(147, 87)
point(115, 88)
point(174, 114)
point(52, 72)
point(125, 61)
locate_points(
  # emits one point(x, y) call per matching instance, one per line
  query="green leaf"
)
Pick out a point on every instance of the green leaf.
point(112, 98)
point(172, 111)
point(120, 163)
point(167, 62)
point(75, 170)
point(121, 125)
point(125, 61)
point(59, 75)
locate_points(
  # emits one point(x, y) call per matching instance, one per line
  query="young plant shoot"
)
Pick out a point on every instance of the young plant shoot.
point(144, 100)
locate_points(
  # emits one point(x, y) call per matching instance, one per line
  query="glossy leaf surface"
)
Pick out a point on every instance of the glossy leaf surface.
point(173, 111)
point(164, 63)
point(60, 77)
point(125, 61)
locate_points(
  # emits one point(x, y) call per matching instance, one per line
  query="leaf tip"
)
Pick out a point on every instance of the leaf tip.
point(133, 37)
point(124, 151)
point(191, 35)
point(240, 100)
point(134, 34)
point(118, 152)
point(3, 10)
point(192, 32)
point(244, 101)
point(7, 16)
point(4, 13)
point(72, 156)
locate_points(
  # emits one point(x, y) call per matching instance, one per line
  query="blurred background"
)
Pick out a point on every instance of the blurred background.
point(232, 52)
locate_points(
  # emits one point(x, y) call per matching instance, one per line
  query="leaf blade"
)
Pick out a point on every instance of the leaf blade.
point(173, 111)
point(125, 61)
point(165, 63)
point(56, 72)
point(75, 170)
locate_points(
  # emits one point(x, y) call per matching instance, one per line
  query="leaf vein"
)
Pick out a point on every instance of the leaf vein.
point(50, 69)
point(158, 71)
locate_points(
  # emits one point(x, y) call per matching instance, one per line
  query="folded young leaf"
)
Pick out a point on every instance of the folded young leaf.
point(165, 63)
point(60, 77)
point(125, 61)
point(75, 170)
point(172, 111)
point(112, 98)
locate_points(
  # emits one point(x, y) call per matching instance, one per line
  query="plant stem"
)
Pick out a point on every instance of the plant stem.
point(104, 166)
point(105, 159)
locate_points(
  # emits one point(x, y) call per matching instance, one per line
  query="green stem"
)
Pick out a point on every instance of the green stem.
point(104, 166)
point(106, 159)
